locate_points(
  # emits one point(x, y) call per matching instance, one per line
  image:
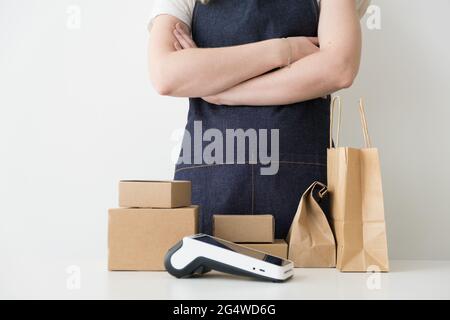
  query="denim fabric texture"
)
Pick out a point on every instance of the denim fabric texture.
point(303, 127)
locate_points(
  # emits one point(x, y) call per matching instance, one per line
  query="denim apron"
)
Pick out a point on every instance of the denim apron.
point(240, 188)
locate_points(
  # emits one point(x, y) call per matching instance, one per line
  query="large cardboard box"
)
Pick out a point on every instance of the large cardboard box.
point(154, 194)
point(244, 228)
point(279, 248)
point(138, 239)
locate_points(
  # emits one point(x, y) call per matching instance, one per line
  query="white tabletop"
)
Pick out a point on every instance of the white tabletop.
point(91, 280)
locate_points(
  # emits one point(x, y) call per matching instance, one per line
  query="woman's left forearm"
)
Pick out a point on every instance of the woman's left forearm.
point(314, 76)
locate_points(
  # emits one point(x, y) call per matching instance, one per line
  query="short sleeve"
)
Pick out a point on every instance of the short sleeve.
point(181, 9)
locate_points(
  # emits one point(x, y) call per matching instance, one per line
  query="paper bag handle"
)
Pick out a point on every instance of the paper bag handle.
point(365, 128)
point(323, 189)
point(336, 102)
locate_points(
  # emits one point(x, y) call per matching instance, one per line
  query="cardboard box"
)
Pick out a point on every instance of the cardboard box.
point(244, 228)
point(279, 248)
point(138, 239)
point(154, 194)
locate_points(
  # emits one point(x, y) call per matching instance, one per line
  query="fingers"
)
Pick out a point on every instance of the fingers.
point(180, 39)
point(182, 28)
point(177, 46)
point(184, 39)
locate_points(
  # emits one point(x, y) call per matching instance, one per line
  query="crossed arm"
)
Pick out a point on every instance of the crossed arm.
point(179, 68)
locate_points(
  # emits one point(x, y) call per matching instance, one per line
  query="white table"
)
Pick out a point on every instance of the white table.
point(408, 280)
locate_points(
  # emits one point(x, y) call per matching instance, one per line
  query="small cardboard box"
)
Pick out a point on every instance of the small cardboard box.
point(244, 228)
point(138, 239)
point(154, 194)
point(279, 248)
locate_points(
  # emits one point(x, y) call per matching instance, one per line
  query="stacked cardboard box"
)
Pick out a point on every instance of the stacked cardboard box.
point(254, 231)
point(153, 216)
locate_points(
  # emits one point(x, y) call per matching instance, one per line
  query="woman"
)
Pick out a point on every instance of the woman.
point(261, 65)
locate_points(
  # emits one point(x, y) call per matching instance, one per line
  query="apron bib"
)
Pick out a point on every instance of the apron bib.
point(239, 188)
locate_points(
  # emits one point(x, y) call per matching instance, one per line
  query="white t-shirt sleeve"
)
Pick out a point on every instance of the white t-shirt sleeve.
point(181, 9)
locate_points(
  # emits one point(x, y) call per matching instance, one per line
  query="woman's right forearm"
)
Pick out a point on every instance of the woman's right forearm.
point(199, 72)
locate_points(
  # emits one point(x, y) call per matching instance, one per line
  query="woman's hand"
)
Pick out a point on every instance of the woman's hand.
point(302, 47)
point(184, 38)
point(185, 41)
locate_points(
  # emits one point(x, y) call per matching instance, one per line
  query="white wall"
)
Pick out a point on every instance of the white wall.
point(405, 79)
point(77, 114)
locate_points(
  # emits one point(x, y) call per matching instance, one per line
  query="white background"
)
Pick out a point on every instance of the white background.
point(77, 114)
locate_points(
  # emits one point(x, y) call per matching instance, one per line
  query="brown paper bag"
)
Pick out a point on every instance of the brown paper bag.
point(356, 203)
point(310, 238)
